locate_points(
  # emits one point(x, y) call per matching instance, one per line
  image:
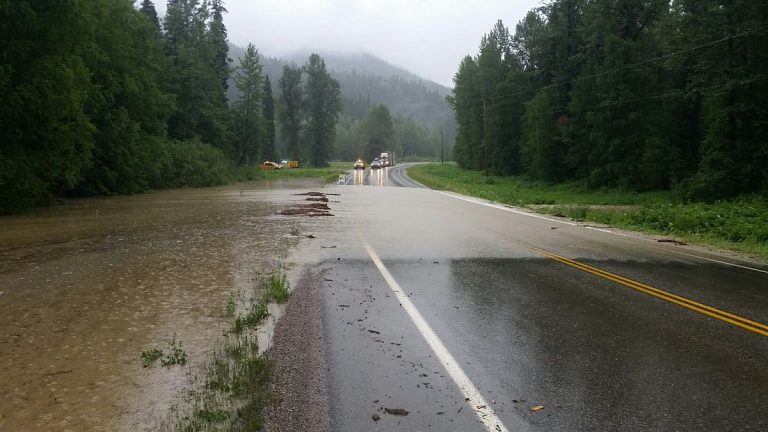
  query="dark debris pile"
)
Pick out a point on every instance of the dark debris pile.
point(317, 207)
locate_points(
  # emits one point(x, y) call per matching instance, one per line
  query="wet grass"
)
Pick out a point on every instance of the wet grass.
point(740, 224)
point(151, 356)
point(175, 355)
point(172, 355)
point(329, 174)
point(251, 320)
point(229, 389)
point(522, 192)
point(231, 307)
point(277, 287)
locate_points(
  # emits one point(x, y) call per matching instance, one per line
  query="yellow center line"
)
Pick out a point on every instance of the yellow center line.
point(736, 320)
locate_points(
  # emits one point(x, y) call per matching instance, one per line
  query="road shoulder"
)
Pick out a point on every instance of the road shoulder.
point(298, 390)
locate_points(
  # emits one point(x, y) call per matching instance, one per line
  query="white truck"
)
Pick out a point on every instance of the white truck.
point(387, 158)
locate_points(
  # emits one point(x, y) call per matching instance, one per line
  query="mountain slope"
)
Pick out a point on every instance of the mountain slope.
point(366, 81)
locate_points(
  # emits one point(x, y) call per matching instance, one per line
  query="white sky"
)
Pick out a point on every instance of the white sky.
point(426, 37)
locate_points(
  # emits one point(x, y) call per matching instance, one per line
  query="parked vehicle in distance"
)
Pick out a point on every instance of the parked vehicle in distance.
point(268, 165)
point(284, 162)
point(359, 164)
point(376, 164)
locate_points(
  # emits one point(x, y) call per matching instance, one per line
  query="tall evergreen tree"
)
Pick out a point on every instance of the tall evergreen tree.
point(194, 44)
point(323, 107)
point(725, 86)
point(148, 9)
point(617, 129)
point(379, 132)
point(249, 121)
point(289, 110)
point(467, 104)
point(268, 108)
point(222, 64)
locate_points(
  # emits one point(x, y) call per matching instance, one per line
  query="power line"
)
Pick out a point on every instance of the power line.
point(625, 67)
point(641, 99)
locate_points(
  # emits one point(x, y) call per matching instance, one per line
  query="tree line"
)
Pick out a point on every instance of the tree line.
point(640, 95)
point(103, 97)
point(416, 110)
point(379, 130)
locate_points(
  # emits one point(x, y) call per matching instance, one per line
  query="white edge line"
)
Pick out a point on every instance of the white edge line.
point(485, 415)
point(504, 208)
point(720, 262)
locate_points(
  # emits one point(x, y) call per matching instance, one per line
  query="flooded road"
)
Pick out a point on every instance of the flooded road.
point(86, 287)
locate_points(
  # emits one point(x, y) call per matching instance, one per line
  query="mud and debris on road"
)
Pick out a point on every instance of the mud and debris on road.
point(317, 207)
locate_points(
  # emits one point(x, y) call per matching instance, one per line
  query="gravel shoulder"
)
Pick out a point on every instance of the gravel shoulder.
point(298, 400)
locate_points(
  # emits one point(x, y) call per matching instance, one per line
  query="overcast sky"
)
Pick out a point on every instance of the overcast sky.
point(426, 37)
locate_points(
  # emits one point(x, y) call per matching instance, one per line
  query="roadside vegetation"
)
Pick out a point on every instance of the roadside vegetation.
point(229, 389)
point(739, 224)
point(328, 174)
point(106, 97)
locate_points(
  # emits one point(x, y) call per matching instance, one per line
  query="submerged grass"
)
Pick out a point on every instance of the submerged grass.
point(230, 388)
point(277, 287)
point(172, 355)
point(328, 174)
point(740, 224)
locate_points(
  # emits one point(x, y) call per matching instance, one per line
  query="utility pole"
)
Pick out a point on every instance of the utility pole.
point(485, 136)
point(442, 152)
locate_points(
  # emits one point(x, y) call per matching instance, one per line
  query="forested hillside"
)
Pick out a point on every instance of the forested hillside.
point(641, 95)
point(417, 106)
point(103, 97)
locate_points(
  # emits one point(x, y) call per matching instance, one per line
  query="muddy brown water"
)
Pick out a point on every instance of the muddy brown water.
point(87, 286)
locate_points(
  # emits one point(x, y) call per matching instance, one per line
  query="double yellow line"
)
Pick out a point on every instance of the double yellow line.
point(736, 320)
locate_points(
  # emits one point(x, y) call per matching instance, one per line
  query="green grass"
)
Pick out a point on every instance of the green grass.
point(523, 192)
point(152, 355)
point(174, 354)
point(329, 174)
point(277, 287)
point(740, 224)
point(230, 388)
point(251, 320)
point(231, 307)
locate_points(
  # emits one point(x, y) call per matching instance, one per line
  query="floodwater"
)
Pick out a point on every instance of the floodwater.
point(87, 286)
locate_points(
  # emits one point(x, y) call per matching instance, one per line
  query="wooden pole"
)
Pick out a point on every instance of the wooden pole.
point(442, 152)
point(485, 136)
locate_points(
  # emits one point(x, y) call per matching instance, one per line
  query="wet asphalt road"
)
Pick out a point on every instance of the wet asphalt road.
point(525, 327)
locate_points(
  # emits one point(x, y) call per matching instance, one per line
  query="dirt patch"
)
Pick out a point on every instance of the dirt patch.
point(298, 390)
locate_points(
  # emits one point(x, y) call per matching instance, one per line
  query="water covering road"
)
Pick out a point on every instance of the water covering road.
point(87, 286)
point(553, 324)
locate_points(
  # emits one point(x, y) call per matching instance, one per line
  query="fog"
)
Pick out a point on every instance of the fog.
point(426, 37)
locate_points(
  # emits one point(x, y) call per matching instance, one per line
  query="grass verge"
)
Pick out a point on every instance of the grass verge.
point(329, 174)
point(740, 224)
point(229, 389)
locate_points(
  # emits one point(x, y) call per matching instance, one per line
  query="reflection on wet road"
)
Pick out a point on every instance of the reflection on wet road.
point(388, 176)
point(86, 287)
point(550, 346)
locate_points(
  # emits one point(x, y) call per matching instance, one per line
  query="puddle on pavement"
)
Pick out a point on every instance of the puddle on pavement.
point(87, 286)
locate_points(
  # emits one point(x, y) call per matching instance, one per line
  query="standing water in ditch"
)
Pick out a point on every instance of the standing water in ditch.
point(87, 287)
